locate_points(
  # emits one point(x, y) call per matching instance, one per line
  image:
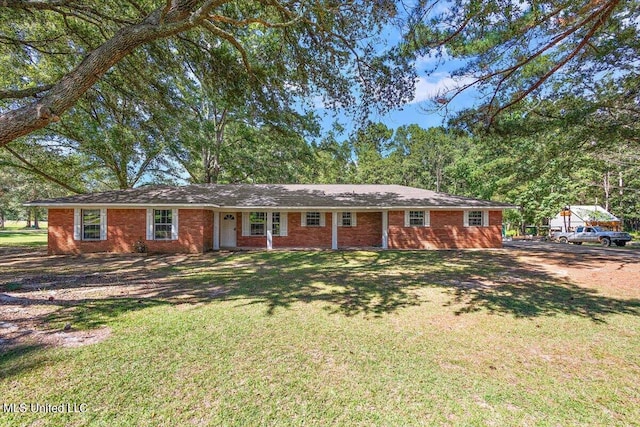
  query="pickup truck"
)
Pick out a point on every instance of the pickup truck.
point(593, 235)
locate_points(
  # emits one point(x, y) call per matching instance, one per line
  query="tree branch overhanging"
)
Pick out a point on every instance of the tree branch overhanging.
point(161, 23)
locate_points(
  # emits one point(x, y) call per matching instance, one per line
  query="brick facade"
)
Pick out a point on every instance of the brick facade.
point(195, 234)
point(125, 227)
point(446, 231)
point(367, 232)
point(297, 235)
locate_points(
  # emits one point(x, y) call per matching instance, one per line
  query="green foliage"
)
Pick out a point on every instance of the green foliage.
point(513, 51)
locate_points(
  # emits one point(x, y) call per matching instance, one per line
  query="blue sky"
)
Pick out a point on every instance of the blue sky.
point(421, 110)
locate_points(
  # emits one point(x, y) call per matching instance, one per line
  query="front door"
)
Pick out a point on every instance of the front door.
point(228, 230)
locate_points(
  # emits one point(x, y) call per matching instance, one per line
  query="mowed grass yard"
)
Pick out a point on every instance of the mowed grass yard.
point(322, 338)
point(15, 234)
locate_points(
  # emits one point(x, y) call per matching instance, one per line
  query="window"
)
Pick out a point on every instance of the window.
point(417, 218)
point(312, 219)
point(347, 219)
point(162, 224)
point(257, 223)
point(275, 223)
point(475, 218)
point(90, 224)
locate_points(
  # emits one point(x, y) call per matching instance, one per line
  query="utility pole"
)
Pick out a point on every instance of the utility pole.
point(621, 189)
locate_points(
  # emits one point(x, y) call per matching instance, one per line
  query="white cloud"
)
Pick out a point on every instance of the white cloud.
point(438, 85)
point(431, 59)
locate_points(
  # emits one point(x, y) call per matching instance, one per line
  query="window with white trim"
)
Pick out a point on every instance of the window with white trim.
point(475, 218)
point(347, 219)
point(162, 224)
point(417, 219)
point(257, 223)
point(90, 224)
point(312, 219)
point(275, 223)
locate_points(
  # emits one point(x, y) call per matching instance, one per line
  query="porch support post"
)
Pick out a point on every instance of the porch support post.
point(216, 231)
point(385, 229)
point(269, 230)
point(334, 230)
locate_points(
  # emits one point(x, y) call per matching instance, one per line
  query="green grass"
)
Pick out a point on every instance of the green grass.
point(332, 338)
point(12, 238)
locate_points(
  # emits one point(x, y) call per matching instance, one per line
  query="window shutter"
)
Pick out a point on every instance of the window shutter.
point(485, 218)
point(246, 225)
point(322, 219)
point(354, 222)
point(77, 224)
point(283, 224)
point(103, 224)
point(466, 218)
point(174, 224)
point(149, 224)
point(406, 219)
point(303, 219)
point(427, 218)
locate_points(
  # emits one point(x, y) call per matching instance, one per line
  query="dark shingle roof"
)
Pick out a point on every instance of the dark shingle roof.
point(274, 196)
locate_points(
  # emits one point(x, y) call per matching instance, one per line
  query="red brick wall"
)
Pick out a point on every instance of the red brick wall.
point(298, 236)
point(367, 232)
point(126, 226)
point(447, 230)
point(304, 237)
point(60, 238)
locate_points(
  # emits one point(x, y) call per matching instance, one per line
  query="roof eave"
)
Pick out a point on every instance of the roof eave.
point(275, 207)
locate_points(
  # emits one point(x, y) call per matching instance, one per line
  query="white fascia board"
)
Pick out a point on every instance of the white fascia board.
point(264, 208)
point(357, 208)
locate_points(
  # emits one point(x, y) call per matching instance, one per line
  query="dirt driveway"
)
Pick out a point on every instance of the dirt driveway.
point(35, 287)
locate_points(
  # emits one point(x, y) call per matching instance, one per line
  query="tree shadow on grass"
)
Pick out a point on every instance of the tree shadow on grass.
point(373, 283)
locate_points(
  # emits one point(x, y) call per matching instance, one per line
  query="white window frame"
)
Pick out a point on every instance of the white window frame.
point(268, 217)
point(257, 218)
point(484, 221)
point(78, 229)
point(303, 219)
point(151, 235)
point(426, 218)
point(353, 221)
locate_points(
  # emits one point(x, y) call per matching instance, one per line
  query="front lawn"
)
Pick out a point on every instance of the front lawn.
point(14, 237)
point(321, 338)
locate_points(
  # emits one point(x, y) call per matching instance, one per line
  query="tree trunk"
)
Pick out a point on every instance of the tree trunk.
point(163, 22)
point(36, 225)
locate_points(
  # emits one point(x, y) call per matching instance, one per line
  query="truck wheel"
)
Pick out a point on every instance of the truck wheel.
point(562, 240)
point(605, 241)
point(621, 243)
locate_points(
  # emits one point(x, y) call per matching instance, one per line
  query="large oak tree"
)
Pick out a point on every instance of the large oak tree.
point(54, 51)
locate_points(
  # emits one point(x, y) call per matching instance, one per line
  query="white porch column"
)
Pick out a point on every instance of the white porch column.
point(385, 229)
point(269, 230)
point(334, 230)
point(216, 231)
